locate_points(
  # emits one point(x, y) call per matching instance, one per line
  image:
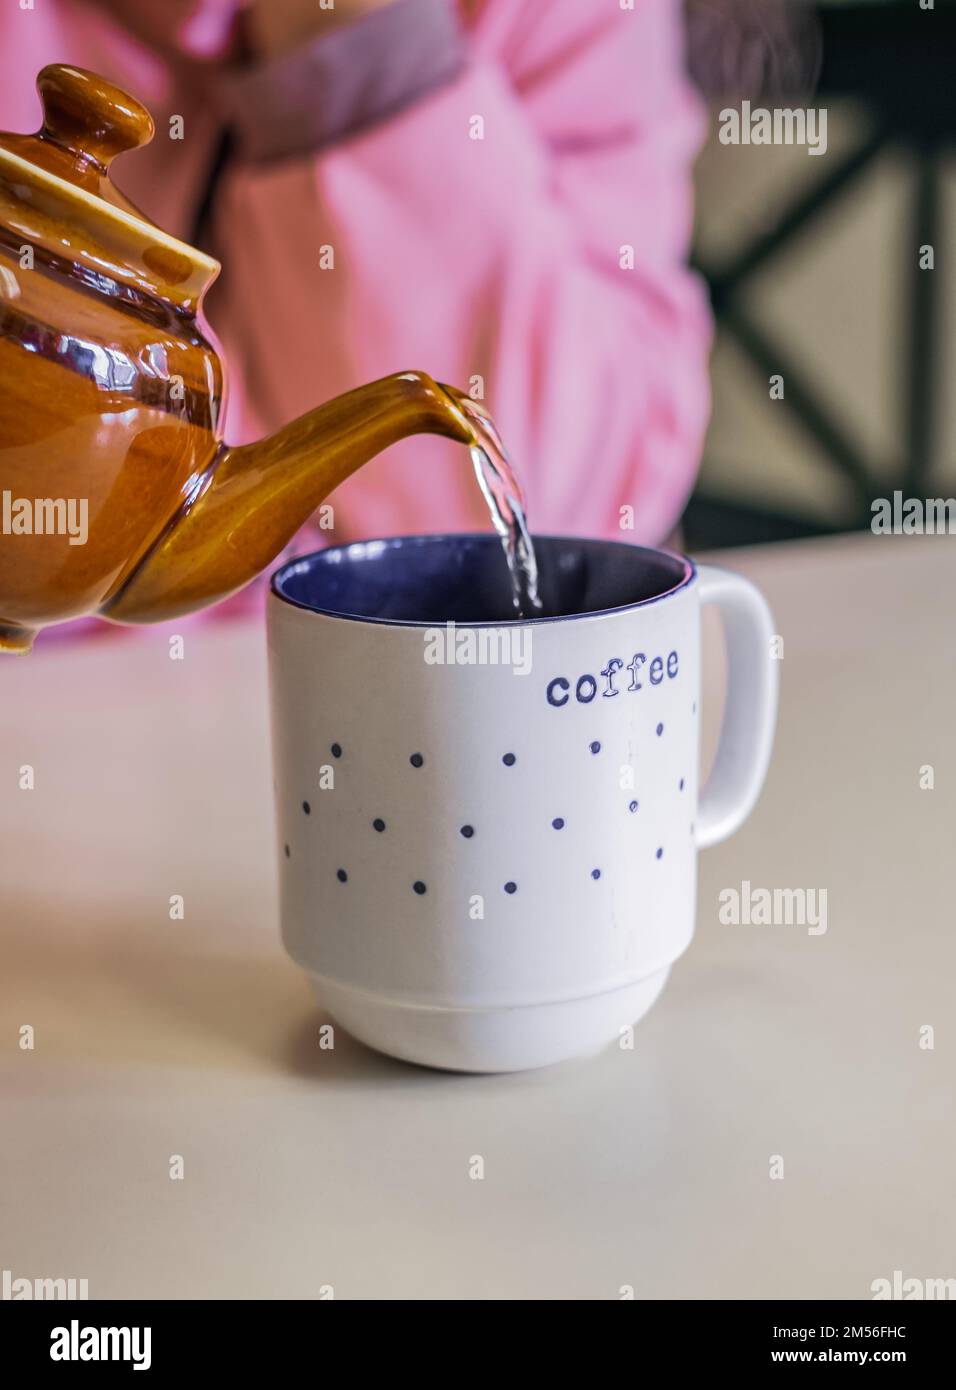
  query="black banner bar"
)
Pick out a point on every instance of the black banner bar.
point(161, 1340)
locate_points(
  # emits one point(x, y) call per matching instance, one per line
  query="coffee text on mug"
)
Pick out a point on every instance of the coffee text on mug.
point(613, 678)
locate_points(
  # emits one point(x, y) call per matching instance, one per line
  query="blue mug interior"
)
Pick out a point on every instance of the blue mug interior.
point(464, 579)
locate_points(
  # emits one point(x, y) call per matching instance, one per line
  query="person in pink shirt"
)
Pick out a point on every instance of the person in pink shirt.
point(497, 192)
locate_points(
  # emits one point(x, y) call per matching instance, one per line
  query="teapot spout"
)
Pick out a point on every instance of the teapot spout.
point(252, 499)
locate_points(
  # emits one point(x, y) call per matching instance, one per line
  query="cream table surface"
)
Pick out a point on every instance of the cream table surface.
point(305, 1169)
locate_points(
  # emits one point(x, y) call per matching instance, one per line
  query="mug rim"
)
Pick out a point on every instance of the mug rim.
point(302, 562)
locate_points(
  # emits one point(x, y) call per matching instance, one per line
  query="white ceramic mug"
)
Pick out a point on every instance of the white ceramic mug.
point(488, 829)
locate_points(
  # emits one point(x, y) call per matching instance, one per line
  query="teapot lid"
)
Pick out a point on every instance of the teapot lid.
point(56, 193)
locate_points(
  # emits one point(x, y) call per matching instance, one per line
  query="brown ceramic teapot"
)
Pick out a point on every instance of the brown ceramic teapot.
point(117, 494)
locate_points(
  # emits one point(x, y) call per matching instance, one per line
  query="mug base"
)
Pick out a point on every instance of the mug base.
point(488, 1039)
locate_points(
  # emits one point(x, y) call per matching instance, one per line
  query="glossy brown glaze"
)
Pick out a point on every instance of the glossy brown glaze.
point(87, 122)
point(87, 413)
point(256, 497)
point(110, 387)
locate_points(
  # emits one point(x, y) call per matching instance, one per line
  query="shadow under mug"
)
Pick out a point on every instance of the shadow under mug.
point(488, 827)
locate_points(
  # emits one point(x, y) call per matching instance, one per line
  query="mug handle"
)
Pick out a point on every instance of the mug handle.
point(750, 707)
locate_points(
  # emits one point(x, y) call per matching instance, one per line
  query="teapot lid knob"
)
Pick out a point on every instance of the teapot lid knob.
point(88, 116)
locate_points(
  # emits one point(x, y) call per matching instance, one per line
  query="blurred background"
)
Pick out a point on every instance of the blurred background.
point(813, 266)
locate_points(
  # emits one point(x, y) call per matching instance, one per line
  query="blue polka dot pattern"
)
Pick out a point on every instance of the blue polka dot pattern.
point(467, 831)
